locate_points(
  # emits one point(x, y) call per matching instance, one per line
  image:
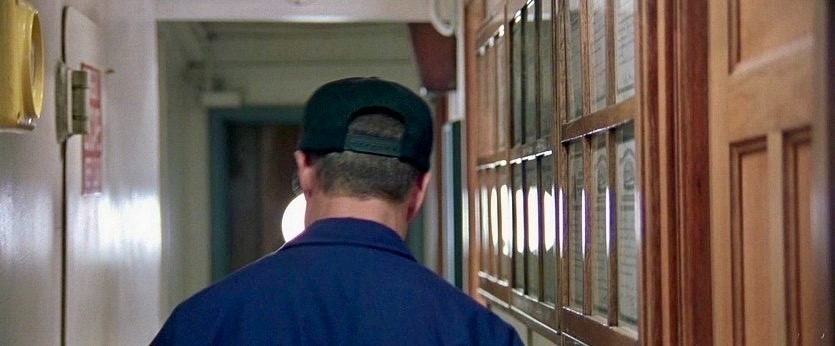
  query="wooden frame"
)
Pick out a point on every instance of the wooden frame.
point(823, 139)
point(473, 14)
point(587, 327)
point(663, 153)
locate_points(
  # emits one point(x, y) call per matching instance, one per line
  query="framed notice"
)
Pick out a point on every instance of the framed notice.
point(517, 71)
point(494, 221)
point(530, 74)
point(484, 213)
point(549, 230)
point(93, 142)
point(506, 211)
point(519, 222)
point(597, 54)
point(532, 183)
point(624, 49)
point(576, 224)
point(627, 229)
point(546, 68)
point(502, 100)
point(600, 215)
point(575, 72)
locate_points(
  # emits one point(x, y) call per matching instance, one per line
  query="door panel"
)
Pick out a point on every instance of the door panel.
point(761, 91)
point(799, 264)
point(765, 25)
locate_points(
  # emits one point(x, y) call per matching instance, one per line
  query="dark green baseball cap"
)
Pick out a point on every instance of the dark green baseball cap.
point(334, 105)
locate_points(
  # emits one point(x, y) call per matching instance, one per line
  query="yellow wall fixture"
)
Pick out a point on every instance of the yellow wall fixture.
point(21, 65)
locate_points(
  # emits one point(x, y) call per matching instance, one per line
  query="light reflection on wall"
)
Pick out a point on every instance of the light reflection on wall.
point(507, 219)
point(520, 221)
point(608, 220)
point(134, 223)
point(550, 234)
point(561, 225)
point(494, 221)
point(18, 241)
point(583, 222)
point(533, 219)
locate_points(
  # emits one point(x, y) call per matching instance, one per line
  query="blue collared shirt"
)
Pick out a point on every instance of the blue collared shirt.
point(341, 282)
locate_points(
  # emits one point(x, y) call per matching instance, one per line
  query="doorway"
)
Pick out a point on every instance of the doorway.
point(251, 173)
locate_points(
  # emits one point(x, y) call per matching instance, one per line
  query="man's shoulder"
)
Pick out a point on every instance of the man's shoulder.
point(234, 287)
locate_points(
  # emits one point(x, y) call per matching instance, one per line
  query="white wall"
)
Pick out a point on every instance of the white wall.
point(185, 173)
point(113, 279)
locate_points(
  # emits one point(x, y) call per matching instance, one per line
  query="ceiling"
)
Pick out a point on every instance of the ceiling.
point(282, 63)
point(331, 11)
point(367, 44)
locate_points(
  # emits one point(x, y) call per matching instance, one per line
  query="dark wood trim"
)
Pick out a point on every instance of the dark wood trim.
point(695, 309)
point(560, 54)
point(669, 238)
point(794, 335)
point(601, 120)
point(492, 299)
point(585, 39)
point(824, 166)
point(588, 229)
point(650, 328)
point(531, 322)
point(541, 312)
point(473, 15)
point(826, 170)
point(611, 83)
point(592, 332)
point(561, 157)
point(499, 289)
point(737, 237)
point(612, 164)
point(734, 49)
point(537, 326)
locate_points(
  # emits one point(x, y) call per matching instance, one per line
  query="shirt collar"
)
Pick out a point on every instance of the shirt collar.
point(350, 231)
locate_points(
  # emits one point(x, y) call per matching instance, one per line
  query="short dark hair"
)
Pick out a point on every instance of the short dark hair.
point(359, 175)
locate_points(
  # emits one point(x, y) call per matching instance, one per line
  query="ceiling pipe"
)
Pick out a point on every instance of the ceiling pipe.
point(444, 27)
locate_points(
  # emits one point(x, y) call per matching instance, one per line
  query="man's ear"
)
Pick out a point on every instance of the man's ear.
point(418, 195)
point(307, 175)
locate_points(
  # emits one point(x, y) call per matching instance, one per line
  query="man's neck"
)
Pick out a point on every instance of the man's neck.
point(325, 207)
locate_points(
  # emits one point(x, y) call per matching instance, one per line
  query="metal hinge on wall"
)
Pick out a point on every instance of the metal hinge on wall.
point(72, 102)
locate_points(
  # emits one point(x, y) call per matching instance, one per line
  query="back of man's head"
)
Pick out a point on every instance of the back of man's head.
point(367, 138)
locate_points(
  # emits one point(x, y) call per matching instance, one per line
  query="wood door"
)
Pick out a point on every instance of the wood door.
point(761, 108)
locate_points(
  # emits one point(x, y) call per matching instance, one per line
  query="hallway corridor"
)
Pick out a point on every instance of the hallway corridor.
point(605, 172)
